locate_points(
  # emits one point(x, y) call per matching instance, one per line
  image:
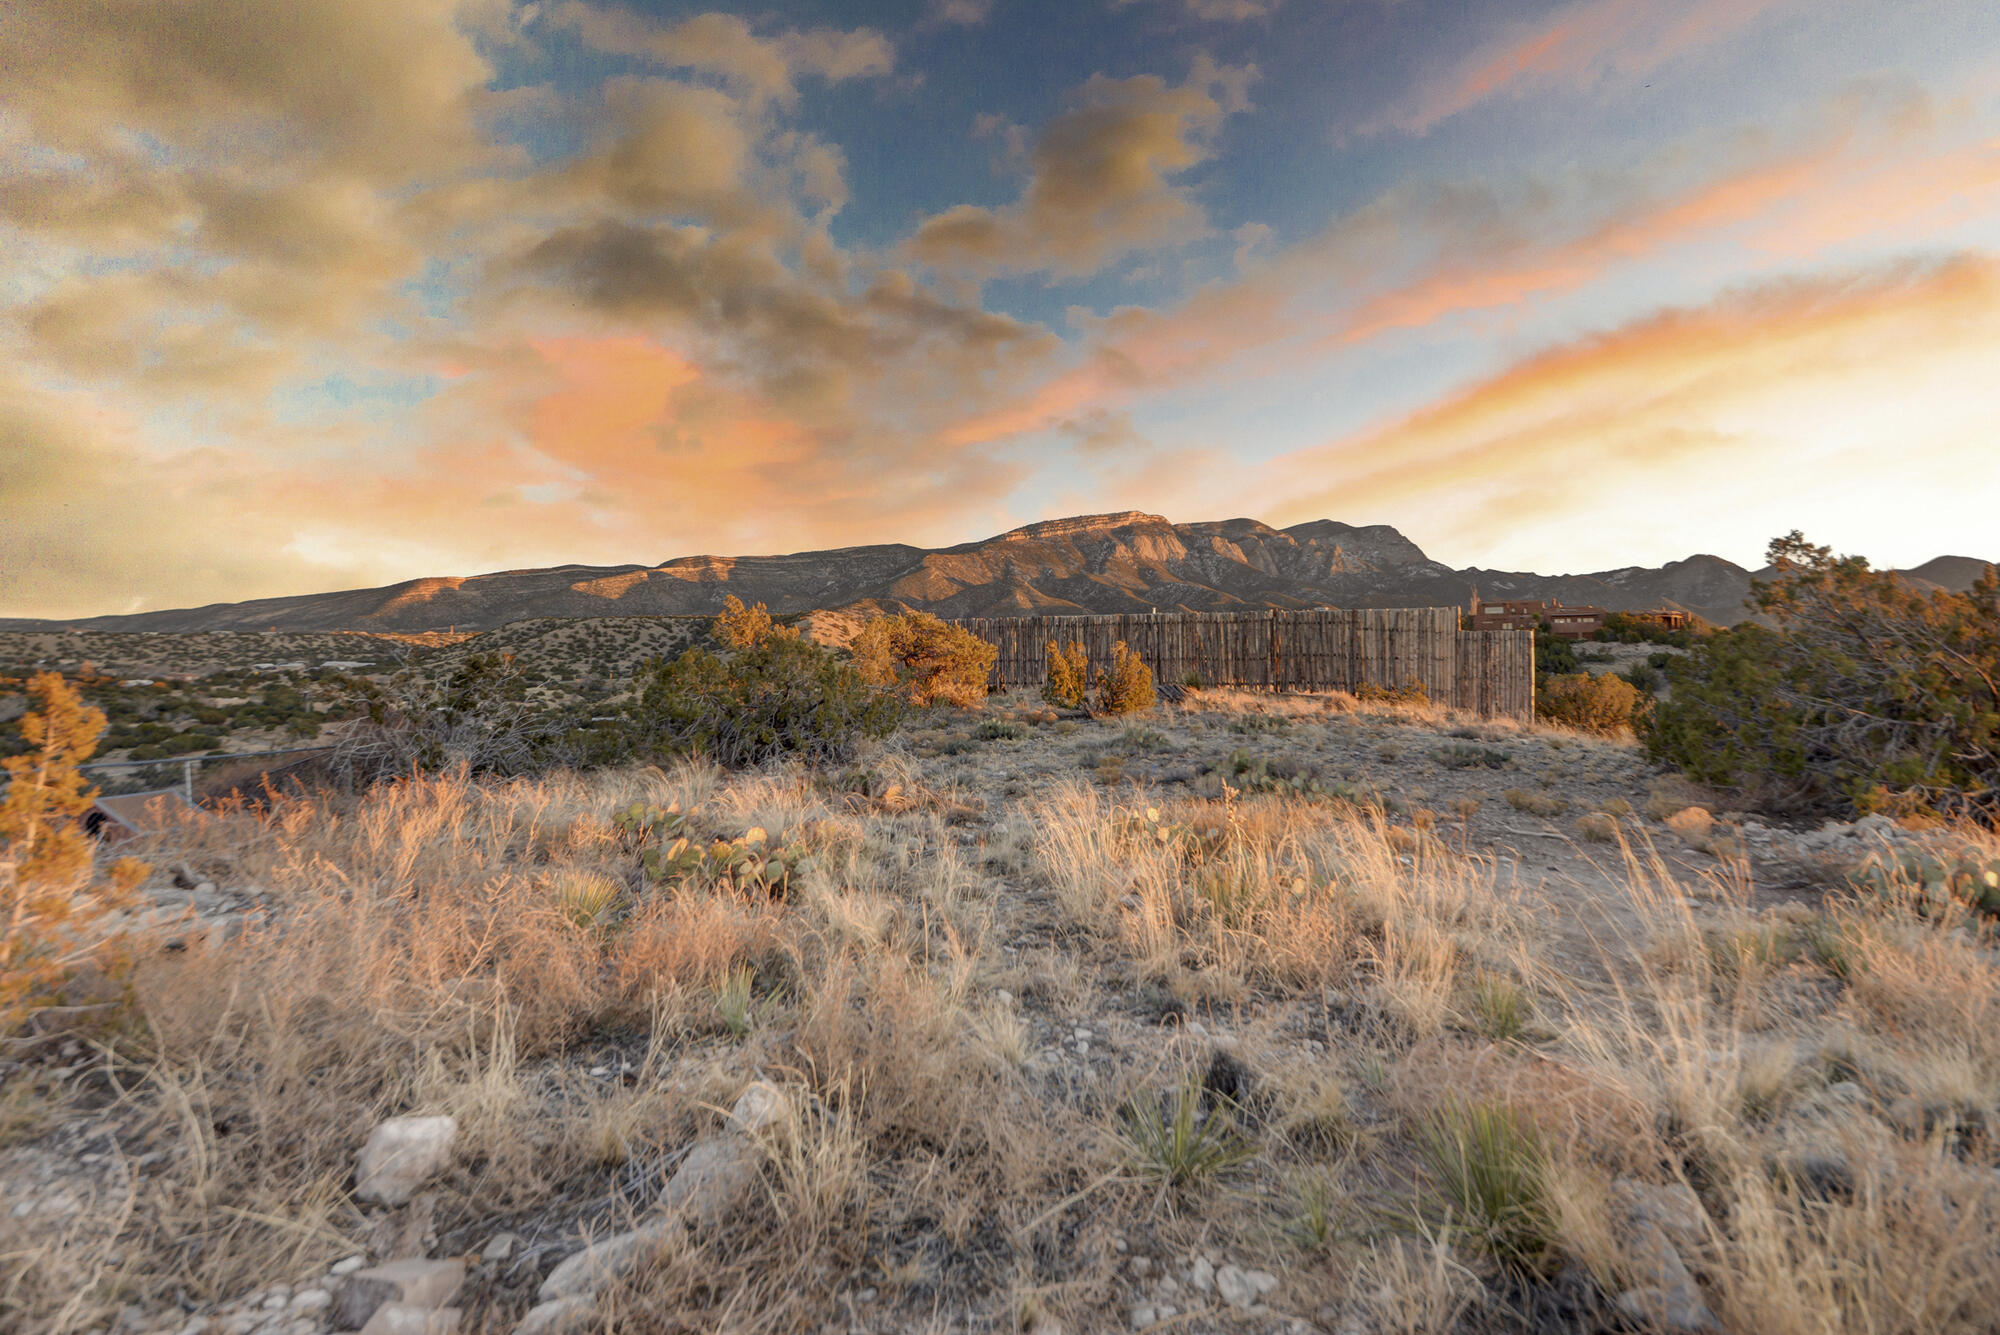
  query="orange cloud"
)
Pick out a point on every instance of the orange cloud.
point(1772, 402)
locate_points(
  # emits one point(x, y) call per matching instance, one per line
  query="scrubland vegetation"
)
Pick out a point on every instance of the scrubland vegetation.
point(1249, 1012)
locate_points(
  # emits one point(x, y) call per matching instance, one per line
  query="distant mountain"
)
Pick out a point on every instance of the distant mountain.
point(1128, 562)
point(1956, 573)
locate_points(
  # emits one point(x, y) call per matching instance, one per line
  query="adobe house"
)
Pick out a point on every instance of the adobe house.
point(1569, 623)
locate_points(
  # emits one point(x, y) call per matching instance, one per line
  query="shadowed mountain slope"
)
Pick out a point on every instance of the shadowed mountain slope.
point(1126, 562)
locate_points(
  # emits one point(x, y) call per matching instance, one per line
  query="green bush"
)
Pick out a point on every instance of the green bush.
point(1868, 693)
point(1554, 656)
point(1068, 681)
point(1127, 685)
point(1594, 703)
point(783, 697)
point(927, 660)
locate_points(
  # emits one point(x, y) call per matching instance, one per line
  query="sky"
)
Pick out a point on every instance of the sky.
point(335, 293)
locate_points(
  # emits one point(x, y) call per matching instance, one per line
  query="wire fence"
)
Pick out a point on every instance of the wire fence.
point(179, 771)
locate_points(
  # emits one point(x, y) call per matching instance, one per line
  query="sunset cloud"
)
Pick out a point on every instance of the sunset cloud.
point(1101, 182)
point(1580, 47)
point(1836, 395)
point(340, 292)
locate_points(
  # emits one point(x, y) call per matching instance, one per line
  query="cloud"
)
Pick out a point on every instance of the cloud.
point(968, 12)
point(1427, 262)
point(727, 47)
point(1771, 406)
point(1578, 47)
point(1220, 11)
point(1101, 181)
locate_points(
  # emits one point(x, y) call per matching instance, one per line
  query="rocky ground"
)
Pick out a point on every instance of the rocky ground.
point(1060, 1024)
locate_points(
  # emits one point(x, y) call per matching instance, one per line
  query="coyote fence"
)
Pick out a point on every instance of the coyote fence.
point(1488, 672)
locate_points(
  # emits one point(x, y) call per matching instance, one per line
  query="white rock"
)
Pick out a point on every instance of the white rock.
point(558, 1316)
point(407, 1319)
point(1202, 1274)
point(411, 1283)
point(600, 1262)
point(758, 1106)
point(1242, 1288)
point(310, 1300)
point(499, 1247)
point(400, 1155)
point(1143, 1317)
point(717, 1173)
point(349, 1266)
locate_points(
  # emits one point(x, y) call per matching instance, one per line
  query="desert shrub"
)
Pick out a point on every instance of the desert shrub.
point(740, 627)
point(1646, 678)
point(1534, 803)
point(1068, 681)
point(999, 730)
point(1554, 656)
point(1869, 693)
point(474, 716)
point(1592, 702)
point(51, 902)
point(927, 660)
point(783, 697)
point(1409, 693)
point(1127, 685)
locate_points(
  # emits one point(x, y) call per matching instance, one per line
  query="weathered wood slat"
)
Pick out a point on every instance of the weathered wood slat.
point(1490, 672)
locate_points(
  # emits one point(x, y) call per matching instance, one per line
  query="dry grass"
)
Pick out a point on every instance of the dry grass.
point(1320, 974)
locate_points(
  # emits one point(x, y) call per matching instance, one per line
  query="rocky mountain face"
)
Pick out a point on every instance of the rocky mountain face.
point(1126, 562)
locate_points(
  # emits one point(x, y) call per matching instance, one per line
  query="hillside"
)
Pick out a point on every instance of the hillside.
point(1121, 562)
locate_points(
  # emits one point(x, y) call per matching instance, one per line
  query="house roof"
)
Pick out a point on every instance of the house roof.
point(135, 813)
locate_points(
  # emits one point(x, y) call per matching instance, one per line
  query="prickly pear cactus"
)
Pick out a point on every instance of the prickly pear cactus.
point(1935, 879)
point(748, 862)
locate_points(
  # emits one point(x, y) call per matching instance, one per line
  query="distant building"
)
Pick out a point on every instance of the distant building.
point(1666, 618)
point(125, 816)
point(1569, 623)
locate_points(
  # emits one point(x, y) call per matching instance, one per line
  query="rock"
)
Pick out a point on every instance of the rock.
point(1655, 1219)
point(757, 1107)
point(1674, 1209)
point(717, 1173)
point(499, 1247)
point(558, 1317)
point(1202, 1274)
point(1823, 1175)
point(1242, 1288)
point(1143, 1317)
point(400, 1155)
point(409, 1319)
point(1677, 1309)
point(310, 1300)
point(349, 1266)
point(583, 1273)
point(405, 1232)
point(412, 1283)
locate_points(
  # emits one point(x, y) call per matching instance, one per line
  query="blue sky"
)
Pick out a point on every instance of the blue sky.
point(360, 290)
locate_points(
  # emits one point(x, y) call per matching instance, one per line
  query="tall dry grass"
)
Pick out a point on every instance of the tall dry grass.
point(1824, 1077)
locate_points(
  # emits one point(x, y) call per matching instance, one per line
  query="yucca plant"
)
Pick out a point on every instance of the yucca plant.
point(1488, 1172)
point(1499, 1007)
point(585, 899)
point(1178, 1142)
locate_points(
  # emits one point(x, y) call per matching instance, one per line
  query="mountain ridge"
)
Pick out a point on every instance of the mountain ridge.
point(1123, 561)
